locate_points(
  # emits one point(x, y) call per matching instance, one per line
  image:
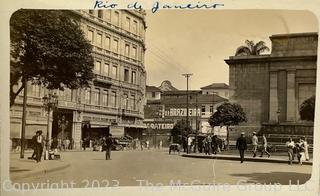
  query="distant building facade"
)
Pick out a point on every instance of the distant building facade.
point(162, 114)
point(114, 102)
point(153, 93)
point(220, 89)
point(271, 88)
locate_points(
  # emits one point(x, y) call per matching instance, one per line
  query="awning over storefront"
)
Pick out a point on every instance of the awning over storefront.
point(143, 126)
point(94, 124)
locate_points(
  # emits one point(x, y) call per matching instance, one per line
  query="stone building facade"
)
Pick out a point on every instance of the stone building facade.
point(271, 88)
point(114, 102)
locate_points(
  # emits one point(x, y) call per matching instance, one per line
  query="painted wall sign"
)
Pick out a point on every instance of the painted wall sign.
point(159, 125)
point(181, 112)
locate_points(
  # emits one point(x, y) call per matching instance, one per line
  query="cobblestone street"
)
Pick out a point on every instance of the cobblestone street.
point(135, 168)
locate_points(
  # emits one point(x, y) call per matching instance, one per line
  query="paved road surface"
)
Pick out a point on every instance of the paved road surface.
point(134, 168)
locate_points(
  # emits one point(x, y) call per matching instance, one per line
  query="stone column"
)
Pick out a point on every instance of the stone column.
point(50, 128)
point(76, 129)
point(273, 99)
point(291, 100)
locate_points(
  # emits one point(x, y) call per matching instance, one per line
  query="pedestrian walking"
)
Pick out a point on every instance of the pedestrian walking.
point(290, 145)
point(241, 145)
point(264, 146)
point(39, 146)
point(141, 144)
point(59, 144)
point(209, 143)
point(67, 144)
point(108, 144)
point(214, 144)
point(148, 145)
point(84, 143)
point(205, 146)
point(160, 144)
point(254, 144)
point(189, 145)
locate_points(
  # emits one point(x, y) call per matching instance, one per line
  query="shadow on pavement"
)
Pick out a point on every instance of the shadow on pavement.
point(284, 178)
point(15, 169)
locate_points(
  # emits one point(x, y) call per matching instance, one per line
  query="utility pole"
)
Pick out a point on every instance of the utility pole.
point(24, 116)
point(197, 126)
point(187, 75)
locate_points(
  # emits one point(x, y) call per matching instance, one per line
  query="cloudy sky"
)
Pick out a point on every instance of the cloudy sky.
point(198, 41)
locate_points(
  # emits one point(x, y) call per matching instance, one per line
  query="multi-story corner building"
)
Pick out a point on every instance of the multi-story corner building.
point(114, 102)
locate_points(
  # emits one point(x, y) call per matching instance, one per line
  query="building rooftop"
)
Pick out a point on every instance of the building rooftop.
point(201, 98)
point(216, 86)
point(167, 86)
point(306, 34)
point(180, 92)
point(152, 89)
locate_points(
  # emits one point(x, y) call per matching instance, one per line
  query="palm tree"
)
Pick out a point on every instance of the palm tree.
point(252, 49)
point(307, 109)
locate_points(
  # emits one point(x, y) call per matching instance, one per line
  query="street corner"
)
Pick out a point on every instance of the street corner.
point(25, 168)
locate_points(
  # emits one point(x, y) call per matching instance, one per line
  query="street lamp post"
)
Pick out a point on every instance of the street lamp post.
point(50, 102)
point(278, 116)
point(187, 75)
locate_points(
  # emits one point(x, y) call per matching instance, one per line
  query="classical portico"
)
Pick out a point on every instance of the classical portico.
point(271, 88)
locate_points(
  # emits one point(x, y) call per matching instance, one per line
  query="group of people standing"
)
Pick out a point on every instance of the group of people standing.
point(211, 145)
point(56, 145)
point(300, 149)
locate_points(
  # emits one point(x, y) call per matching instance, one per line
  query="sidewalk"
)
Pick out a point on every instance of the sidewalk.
point(276, 158)
point(23, 168)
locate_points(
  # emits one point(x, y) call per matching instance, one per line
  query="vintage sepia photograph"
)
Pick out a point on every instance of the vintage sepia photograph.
point(115, 97)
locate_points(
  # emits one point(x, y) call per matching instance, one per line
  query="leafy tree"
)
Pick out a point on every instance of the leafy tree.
point(307, 109)
point(179, 130)
point(228, 114)
point(252, 49)
point(48, 47)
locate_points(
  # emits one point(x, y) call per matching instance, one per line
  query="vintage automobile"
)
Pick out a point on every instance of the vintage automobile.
point(119, 143)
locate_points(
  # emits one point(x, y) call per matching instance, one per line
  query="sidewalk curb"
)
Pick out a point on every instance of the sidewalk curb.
point(235, 158)
point(45, 171)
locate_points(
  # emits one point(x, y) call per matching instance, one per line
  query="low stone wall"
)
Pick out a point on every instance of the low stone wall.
point(275, 133)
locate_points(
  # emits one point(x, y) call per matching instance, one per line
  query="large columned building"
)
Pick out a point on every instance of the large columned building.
point(271, 88)
point(114, 102)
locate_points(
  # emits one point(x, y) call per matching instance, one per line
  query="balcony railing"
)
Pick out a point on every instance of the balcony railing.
point(103, 79)
point(116, 28)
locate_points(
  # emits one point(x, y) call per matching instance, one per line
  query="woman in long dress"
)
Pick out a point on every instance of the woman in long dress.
point(306, 151)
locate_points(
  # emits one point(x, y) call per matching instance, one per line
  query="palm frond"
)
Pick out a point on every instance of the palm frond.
point(242, 51)
point(250, 44)
point(260, 47)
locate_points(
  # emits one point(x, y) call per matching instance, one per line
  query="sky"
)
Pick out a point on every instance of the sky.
point(199, 41)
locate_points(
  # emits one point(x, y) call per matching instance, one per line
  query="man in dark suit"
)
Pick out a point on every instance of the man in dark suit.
point(39, 145)
point(108, 144)
point(34, 146)
point(241, 146)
